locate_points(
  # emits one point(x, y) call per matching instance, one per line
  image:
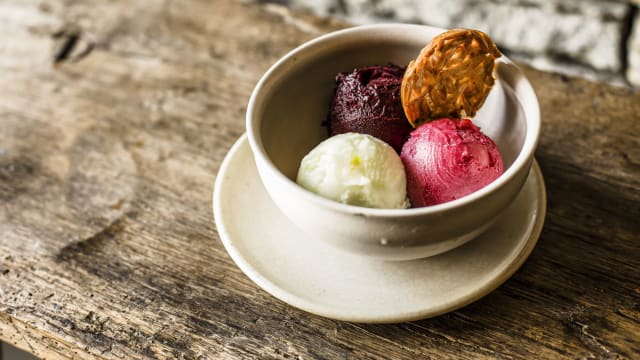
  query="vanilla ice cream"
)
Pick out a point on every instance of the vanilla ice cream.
point(355, 169)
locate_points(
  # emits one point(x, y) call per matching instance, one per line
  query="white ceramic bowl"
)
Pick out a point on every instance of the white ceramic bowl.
point(284, 121)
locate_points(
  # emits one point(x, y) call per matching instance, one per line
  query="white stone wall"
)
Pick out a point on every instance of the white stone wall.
point(584, 37)
point(633, 51)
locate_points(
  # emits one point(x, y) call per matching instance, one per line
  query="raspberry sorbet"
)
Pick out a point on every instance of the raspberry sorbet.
point(447, 159)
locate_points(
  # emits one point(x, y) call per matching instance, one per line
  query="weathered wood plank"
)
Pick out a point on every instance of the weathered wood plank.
point(108, 153)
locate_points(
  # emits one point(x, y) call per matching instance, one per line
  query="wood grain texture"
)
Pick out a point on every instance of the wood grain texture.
point(114, 118)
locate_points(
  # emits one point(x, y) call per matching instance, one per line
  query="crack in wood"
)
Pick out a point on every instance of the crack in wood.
point(69, 41)
point(575, 321)
point(592, 340)
point(71, 45)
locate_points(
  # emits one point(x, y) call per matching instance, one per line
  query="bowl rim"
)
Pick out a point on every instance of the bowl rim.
point(299, 54)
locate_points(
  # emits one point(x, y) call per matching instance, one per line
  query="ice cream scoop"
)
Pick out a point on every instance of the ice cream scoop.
point(447, 159)
point(355, 169)
point(367, 100)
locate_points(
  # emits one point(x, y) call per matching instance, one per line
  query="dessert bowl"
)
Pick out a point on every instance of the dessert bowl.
point(285, 119)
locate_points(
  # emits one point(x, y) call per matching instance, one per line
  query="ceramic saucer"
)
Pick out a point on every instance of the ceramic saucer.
point(309, 274)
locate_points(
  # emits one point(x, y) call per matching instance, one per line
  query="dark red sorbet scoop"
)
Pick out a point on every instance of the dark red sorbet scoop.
point(367, 101)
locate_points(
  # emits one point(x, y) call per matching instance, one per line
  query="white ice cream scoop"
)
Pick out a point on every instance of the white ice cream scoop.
point(355, 169)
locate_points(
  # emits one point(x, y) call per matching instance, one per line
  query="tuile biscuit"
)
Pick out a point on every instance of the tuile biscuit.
point(450, 78)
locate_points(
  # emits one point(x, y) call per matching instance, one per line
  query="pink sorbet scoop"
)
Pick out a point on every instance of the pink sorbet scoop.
point(447, 159)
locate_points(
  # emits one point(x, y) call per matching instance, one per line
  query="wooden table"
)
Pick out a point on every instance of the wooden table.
point(114, 118)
